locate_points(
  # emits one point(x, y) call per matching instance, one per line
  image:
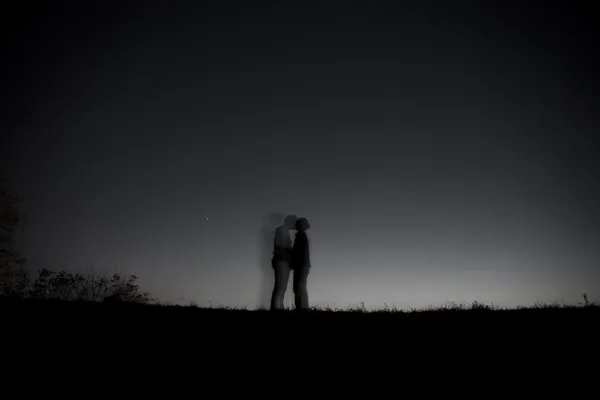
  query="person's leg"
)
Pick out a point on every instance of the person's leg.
point(282, 275)
point(300, 290)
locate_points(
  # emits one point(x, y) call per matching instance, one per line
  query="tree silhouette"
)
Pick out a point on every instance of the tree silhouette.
point(15, 282)
point(13, 278)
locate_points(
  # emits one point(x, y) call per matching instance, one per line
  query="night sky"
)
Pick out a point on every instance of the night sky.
point(442, 151)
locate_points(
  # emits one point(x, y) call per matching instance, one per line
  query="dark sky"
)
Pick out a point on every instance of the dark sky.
point(443, 151)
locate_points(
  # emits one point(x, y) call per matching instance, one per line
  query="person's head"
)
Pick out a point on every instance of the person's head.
point(290, 221)
point(302, 225)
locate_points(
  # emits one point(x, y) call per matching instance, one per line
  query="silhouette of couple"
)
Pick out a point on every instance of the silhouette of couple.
point(291, 255)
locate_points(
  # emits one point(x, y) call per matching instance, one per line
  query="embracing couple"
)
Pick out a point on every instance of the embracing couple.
point(291, 255)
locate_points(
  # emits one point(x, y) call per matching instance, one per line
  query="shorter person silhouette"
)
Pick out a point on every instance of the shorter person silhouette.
point(300, 264)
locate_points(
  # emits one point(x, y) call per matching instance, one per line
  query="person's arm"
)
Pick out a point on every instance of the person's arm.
point(307, 252)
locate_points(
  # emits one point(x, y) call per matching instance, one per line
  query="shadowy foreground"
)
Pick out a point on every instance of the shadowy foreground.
point(132, 312)
point(218, 335)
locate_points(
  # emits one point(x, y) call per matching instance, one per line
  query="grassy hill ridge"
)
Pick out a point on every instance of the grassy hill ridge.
point(476, 311)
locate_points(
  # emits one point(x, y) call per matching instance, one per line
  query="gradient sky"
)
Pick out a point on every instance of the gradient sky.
point(443, 151)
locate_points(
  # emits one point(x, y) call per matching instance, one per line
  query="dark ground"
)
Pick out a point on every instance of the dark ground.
point(48, 309)
point(132, 337)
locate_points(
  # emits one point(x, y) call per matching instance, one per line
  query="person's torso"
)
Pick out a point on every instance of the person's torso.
point(301, 251)
point(282, 243)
